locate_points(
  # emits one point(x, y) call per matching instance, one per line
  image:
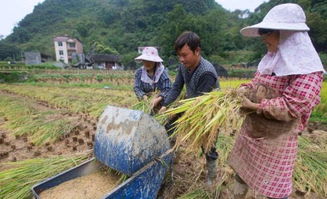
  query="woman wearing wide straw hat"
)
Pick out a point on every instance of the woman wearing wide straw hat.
point(284, 91)
point(151, 76)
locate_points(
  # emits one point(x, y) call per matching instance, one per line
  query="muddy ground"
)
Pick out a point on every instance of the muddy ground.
point(80, 138)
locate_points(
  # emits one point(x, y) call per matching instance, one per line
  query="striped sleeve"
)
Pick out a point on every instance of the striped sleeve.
point(164, 84)
point(137, 84)
point(176, 89)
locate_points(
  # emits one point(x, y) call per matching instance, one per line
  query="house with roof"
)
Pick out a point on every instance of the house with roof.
point(106, 61)
point(35, 57)
point(65, 47)
point(32, 58)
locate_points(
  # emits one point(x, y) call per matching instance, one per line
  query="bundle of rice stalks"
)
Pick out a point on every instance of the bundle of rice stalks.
point(204, 116)
point(199, 193)
point(143, 105)
point(17, 182)
point(311, 168)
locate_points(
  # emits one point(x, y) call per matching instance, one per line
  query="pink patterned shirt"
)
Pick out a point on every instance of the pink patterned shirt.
point(265, 164)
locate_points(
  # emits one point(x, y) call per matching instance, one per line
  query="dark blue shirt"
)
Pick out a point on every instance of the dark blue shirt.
point(206, 81)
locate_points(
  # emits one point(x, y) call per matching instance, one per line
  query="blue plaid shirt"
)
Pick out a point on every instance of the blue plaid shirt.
point(142, 88)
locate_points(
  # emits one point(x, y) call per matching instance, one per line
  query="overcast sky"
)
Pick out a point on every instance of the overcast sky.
point(240, 4)
point(13, 11)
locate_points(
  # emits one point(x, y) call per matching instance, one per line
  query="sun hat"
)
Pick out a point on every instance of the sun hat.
point(149, 54)
point(287, 16)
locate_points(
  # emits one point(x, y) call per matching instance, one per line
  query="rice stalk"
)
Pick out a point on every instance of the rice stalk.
point(204, 116)
point(200, 190)
point(196, 194)
point(143, 105)
point(40, 125)
point(310, 172)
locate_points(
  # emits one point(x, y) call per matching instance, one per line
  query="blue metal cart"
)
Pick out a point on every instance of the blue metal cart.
point(130, 142)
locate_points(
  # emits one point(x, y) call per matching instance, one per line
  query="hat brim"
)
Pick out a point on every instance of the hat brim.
point(149, 58)
point(252, 31)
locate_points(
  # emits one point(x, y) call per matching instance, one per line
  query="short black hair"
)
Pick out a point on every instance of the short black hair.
point(263, 31)
point(189, 38)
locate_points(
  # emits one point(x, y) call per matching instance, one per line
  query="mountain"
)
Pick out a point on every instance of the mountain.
point(123, 25)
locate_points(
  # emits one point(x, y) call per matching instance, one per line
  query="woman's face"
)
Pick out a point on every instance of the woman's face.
point(148, 65)
point(271, 40)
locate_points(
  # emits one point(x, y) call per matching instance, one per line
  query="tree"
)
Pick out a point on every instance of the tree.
point(7, 50)
point(102, 49)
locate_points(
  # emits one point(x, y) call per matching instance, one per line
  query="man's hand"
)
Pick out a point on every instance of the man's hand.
point(145, 97)
point(155, 101)
point(163, 109)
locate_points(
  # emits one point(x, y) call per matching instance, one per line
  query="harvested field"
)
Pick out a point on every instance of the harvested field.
point(57, 117)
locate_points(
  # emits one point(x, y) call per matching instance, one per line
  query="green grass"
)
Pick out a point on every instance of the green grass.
point(319, 114)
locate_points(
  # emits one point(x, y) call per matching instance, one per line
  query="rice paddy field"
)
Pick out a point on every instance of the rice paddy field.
point(48, 119)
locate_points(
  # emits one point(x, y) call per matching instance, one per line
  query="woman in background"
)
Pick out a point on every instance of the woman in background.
point(152, 76)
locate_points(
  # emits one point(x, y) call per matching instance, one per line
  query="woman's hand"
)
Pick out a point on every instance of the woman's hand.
point(246, 103)
point(145, 97)
point(242, 90)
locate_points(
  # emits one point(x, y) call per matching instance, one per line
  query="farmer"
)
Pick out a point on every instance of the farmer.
point(199, 76)
point(151, 76)
point(283, 93)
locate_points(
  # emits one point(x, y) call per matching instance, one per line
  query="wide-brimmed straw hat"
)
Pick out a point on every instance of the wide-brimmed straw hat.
point(149, 54)
point(287, 16)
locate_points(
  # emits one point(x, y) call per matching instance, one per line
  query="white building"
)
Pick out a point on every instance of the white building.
point(65, 46)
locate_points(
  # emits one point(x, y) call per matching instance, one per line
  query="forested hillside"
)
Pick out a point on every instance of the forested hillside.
point(123, 25)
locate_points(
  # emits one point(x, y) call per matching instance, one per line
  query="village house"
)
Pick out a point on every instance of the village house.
point(106, 61)
point(35, 57)
point(32, 58)
point(66, 46)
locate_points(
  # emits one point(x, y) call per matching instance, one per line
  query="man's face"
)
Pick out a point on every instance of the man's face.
point(187, 57)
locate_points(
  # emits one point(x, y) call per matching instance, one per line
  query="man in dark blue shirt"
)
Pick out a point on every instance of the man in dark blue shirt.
point(195, 72)
point(199, 76)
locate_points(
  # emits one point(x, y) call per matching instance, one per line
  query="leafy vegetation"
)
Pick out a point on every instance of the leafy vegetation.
point(120, 26)
point(319, 114)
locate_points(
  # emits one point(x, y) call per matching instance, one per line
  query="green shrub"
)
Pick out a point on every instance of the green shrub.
point(10, 77)
point(323, 57)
